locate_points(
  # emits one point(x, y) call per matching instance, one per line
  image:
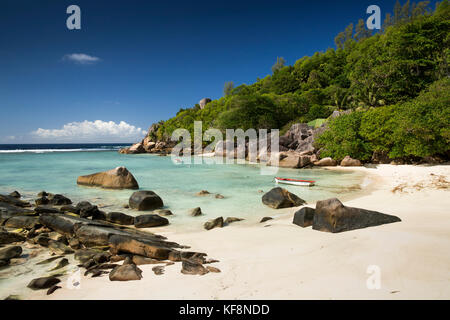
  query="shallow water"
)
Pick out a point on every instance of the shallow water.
point(240, 184)
point(177, 184)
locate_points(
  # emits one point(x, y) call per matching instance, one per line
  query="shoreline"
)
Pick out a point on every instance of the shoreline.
point(279, 260)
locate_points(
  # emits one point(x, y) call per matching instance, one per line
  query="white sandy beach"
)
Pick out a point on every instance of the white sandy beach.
point(279, 260)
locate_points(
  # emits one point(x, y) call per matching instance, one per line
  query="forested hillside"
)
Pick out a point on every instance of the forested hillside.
point(395, 82)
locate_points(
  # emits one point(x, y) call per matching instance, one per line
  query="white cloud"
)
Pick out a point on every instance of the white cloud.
point(91, 131)
point(81, 58)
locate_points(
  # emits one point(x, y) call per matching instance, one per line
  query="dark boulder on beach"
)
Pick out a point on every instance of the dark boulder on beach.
point(125, 244)
point(118, 178)
point(43, 283)
point(11, 252)
point(265, 219)
point(332, 216)
point(304, 217)
point(125, 272)
point(150, 220)
point(24, 222)
point(10, 237)
point(119, 218)
point(193, 268)
point(59, 200)
point(279, 198)
point(145, 200)
point(214, 223)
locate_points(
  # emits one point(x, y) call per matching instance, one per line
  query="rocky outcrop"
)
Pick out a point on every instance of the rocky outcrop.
point(145, 200)
point(202, 103)
point(278, 198)
point(332, 216)
point(118, 178)
point(349, 162)
point(134, 149)
point(88, 240)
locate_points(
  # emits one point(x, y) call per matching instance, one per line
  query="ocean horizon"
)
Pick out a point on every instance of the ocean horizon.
point(60, 147)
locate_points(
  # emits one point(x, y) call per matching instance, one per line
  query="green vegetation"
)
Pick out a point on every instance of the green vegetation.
point(395, 82)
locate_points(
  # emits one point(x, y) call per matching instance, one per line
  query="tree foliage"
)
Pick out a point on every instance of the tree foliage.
point(391, 79)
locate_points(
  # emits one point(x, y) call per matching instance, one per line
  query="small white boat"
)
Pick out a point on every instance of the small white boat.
point(295, 182)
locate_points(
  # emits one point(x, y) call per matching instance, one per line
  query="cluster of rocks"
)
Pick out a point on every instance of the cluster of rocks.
point(332, 216)
point(296, 148)
point(97, 240)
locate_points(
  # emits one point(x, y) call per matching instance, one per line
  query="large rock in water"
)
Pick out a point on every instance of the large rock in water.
point(332, 216)
point(118, 178)
point(145, 200)
point(278, 198)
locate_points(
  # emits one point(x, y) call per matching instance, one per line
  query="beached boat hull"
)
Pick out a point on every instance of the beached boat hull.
point(295, 182)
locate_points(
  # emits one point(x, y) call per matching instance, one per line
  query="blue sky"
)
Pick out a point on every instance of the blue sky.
point(154, 57)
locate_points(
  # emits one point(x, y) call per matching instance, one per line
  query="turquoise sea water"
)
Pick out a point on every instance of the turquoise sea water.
point(240, 184)
point(33, 171)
